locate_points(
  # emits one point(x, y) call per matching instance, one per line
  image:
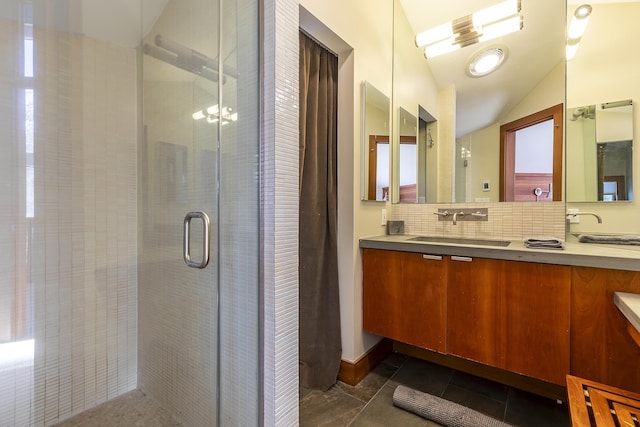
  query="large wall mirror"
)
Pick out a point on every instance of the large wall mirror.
point(408, 156)
point(600, 147)
point(471, 109)
point(600, 117)
point(376, 152)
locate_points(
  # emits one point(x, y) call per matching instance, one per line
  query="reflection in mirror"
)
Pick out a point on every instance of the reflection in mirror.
point(407, 128)
point(600, 140)
point(375, 144)
point(427, 159)
point(470, 110)
point(531, 157)
point(417, 161)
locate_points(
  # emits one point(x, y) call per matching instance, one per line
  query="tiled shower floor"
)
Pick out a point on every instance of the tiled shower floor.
point(132, 409)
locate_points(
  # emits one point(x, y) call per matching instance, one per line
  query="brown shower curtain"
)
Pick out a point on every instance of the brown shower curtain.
point(320, 345)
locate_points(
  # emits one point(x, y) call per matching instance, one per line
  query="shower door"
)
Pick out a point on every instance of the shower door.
point(118, 119)
point(199, 212)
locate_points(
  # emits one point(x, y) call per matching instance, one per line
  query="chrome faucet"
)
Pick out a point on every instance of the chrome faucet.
point(574, 214)
point(444, 214)
point(456, 215)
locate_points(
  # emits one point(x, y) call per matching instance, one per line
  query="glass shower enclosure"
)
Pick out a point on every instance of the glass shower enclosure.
point(130, 203)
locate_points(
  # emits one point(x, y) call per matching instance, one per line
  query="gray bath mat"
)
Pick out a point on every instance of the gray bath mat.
point(441, 411)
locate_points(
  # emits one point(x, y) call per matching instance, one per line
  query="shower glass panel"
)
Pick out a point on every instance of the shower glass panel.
point(199, 152)
point(102, 154)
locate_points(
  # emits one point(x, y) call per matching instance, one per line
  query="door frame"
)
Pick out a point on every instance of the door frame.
point(374, 140)
point(508, 152)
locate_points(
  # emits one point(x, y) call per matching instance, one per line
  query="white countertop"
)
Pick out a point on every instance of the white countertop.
point(629, 305)
point(618, 257)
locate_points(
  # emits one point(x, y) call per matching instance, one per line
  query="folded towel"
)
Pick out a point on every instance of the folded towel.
point(543, 242)
point(612, 239)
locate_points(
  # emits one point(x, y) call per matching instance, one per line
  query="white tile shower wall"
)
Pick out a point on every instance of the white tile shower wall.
point(77, 270)
point(279, 188)
point(507, 221)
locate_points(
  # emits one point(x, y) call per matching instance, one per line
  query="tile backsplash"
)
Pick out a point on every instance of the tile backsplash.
point(506, 221)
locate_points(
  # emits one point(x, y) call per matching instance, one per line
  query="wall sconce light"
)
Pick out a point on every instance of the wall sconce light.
point(486, 24)
point(577, 27)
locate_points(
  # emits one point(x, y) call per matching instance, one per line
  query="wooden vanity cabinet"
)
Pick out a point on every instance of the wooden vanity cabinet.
point(539, 320)
point(511, 315)
point(404, 297)
point(601, 348)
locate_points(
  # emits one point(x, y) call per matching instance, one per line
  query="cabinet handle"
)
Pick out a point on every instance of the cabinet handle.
point(433, 257)
point(461, 258)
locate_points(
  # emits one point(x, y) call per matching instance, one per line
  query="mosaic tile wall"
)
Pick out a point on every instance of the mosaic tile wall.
point(280, 147)
point(506, 221)
point(71, 279)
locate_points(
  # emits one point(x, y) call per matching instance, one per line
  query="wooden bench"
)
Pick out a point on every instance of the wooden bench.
point(594, 404)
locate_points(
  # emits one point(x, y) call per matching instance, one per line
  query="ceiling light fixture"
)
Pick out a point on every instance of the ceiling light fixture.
point(486, 61)
point(577, 27)
point(486, 24)
point(213, 114)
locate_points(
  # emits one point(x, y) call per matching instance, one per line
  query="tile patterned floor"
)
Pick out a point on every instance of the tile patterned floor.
point(370, 402)
point(133, 409)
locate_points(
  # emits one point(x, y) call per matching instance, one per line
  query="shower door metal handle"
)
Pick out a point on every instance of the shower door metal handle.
point(186, 240)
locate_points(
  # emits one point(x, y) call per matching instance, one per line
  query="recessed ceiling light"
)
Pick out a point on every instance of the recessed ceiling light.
point(577, 27)
point(486, 61)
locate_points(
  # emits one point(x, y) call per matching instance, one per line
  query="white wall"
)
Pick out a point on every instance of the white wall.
point(605, 69)
point(483, 164)
point(549, 92)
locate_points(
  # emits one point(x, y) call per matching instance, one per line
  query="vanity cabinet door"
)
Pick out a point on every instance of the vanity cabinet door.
point(511, 315)
point(601, 348)
point(537, 307)
point(474, 309)
point(404, 297)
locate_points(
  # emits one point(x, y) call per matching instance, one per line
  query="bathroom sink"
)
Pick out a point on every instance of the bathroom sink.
point(459, 241)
